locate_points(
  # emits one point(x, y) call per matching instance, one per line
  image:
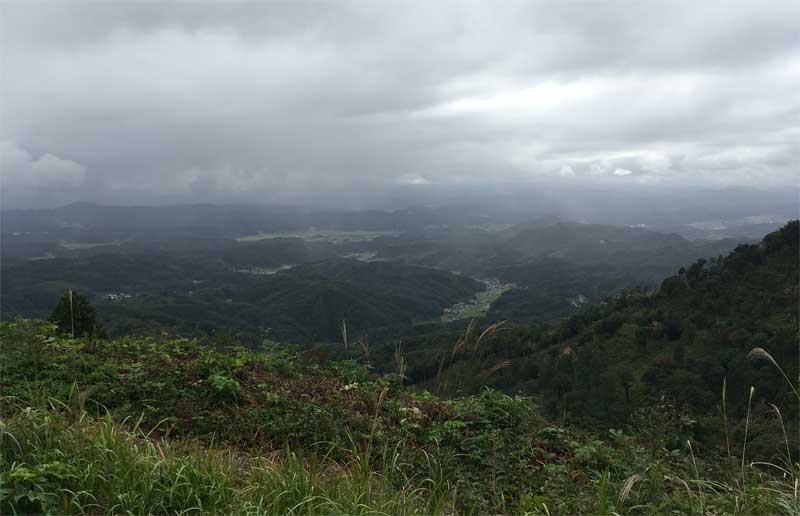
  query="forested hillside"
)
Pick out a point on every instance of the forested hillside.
point(147, 294)
point(204, 285)
point(677, 345)
point(473, 249)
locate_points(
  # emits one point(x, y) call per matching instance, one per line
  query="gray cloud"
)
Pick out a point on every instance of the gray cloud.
point(272, 101)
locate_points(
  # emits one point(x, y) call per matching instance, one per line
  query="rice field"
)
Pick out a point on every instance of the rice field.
point(479, 305)
point(314, 235)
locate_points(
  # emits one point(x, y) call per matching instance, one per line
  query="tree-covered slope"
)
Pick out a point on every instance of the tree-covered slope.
point(677, 345)
point(552, 288)
point(683, 341)
point(313, 299)
point(149, 293)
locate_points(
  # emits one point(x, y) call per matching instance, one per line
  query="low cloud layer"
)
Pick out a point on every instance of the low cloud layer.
point(144, 102)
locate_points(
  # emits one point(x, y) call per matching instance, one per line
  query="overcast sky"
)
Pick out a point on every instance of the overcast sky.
point(140, 102)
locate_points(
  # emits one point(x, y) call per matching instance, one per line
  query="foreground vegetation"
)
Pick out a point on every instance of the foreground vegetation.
point(143, 425)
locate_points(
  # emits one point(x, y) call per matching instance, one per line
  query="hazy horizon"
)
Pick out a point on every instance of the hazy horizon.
point(400, 197)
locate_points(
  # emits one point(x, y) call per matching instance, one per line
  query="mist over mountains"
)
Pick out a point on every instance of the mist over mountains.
point(693, 212)
point(505, 254)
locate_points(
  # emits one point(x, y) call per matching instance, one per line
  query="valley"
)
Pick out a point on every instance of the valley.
point(478, 306)
point(195, 285)
point(561, 348)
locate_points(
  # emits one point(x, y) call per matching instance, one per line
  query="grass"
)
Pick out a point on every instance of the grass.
point(68, 463)
point(184, 429)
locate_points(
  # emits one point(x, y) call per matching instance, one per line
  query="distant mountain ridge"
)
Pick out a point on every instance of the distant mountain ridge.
point(210, 220)
point(748, 212)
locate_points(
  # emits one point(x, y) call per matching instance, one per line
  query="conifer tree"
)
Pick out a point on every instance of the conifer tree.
point(75, 315)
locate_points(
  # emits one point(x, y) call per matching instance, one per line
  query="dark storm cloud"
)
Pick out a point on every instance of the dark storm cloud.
point(152, 101)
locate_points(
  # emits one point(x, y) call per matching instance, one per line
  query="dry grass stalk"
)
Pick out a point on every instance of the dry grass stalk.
point(375, 420)
point(467, 334)
point(488, 332)
point(725, 415)
point(400, 362)
point(697, 478)
point(439, 374)
point(458, 347)
point(778, 414)
point(763, 354)
point(498, 366)
point(364, 344)
point(71, 315)
point(628, 485)
point(746, 428)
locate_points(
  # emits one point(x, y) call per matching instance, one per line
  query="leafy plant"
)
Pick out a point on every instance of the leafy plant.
point(225, 386)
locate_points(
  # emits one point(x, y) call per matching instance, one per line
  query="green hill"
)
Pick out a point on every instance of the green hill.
point(201, 297)
point(678, 345)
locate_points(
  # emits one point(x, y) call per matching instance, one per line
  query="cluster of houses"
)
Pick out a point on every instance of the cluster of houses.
point(481, 303)
point(116, 296)
point(578, 301)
